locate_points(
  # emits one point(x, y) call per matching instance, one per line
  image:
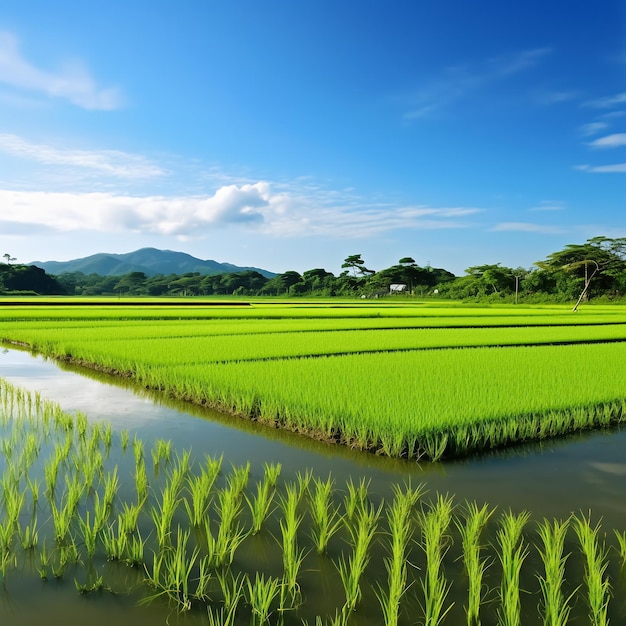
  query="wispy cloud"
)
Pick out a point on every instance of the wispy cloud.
point(610, 141)
point(614, 168)
point(549, 205)
point(71, 82)
point(608, 102)
point(110, 162)
point(593, 128)
point(527, 227)
point(459, 81)
point(260, 206)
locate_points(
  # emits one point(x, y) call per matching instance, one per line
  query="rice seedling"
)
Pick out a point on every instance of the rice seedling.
point(233, 590)
point(7, 555)
point(199, 487)
point(271, 472)
point(362, 530)
point(238, 478)
point(163, 512)
point(89, 533)
point(221, 617)
point(435, 588)
point(61, 518)
point(161, 451)
point(29, 535)
point(141, 480)
point(325, 514)
point(512, 553)
point(260, 504)
point(124, 439)
point(471, 529)
point(621, 540)
point(355, 498)
point(399, 519)
point(171, 571)
point(230, 533)
point(293, 555)
point(133, 554)
point(101, 512)
point(97, 584)
point(596, 563)
point(128, 517)
point(556, 606)
point(13, 499)
point(111, 485)
point(261, 595)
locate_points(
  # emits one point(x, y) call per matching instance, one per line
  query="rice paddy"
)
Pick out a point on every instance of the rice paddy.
point(192, 534)
point(405, 380)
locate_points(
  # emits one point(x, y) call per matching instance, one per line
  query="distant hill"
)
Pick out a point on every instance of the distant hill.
point(150, 261)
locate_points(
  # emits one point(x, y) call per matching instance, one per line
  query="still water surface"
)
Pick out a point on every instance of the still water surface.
point(571, 474)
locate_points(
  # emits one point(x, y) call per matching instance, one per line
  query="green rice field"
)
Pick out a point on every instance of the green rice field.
point(112, 516)
point(406, 380)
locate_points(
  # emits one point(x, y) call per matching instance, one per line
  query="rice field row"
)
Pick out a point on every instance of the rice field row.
point(243, 546)
point(333, 309)
point(397, 392)
point(131, 353)
point(156, 329)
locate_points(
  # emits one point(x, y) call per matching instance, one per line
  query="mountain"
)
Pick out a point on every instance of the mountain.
point(150, 261)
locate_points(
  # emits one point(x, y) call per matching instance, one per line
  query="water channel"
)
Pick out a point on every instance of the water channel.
point(550, 479)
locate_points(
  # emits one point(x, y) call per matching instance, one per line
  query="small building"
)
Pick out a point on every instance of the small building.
point(397, 288)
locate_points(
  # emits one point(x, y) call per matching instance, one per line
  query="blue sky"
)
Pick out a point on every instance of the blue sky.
point(289, 135)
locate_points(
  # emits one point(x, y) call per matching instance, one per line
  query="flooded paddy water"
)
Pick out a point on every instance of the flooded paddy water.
point(574, 474)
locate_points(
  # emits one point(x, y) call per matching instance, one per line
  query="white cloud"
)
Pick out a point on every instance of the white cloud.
point(527, 227)
point(610, 141)
point(258, 205)
point(111, 162)
point(458, 81)
point(607, 102)
point(593, 128)
point(71, 82)
point(618, 168)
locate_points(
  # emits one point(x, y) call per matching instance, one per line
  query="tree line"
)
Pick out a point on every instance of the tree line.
point(578, 271)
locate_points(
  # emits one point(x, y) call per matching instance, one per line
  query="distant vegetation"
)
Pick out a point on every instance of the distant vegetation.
point(594, 269)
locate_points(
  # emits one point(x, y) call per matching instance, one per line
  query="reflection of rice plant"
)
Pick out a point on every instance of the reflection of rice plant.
point(475, 521)
point(325, 514)
point(512, 553)
point(556, 607)
point(596, 563)
point(434, 524)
